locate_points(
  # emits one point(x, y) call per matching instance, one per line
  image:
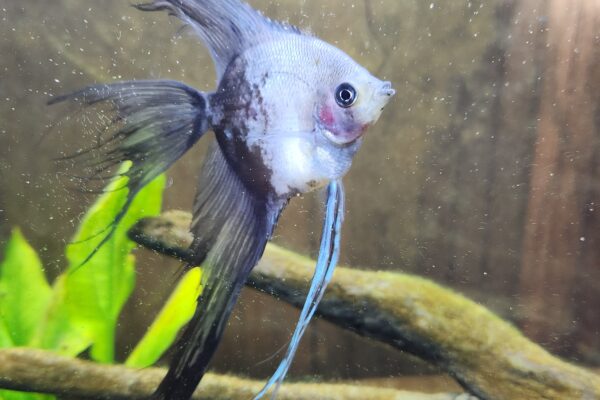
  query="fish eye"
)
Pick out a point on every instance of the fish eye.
point(345, 95)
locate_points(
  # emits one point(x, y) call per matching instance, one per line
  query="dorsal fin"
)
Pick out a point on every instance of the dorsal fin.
point(228, 27)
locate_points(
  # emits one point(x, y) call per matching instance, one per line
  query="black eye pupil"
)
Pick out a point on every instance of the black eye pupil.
point(345, 95)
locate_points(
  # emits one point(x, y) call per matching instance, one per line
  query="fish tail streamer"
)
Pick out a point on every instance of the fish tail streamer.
point(150, 124)
point(231, 227)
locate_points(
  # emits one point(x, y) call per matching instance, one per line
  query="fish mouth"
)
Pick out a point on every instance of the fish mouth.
point(387, 89)
point(382, 96)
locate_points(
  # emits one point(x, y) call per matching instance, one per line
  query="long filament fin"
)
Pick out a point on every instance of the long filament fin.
point(329, 252)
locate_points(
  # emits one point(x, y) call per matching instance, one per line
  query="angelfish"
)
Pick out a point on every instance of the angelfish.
point(288, 115)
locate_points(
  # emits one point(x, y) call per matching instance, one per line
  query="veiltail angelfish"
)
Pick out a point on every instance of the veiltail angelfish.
point(288, 115)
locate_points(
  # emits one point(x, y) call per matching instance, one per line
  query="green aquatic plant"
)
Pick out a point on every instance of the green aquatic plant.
point(177, 312)
point(79, 311)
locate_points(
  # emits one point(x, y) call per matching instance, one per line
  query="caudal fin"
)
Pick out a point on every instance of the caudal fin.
point(151, 124)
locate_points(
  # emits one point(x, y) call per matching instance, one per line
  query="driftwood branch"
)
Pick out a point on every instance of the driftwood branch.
point(487, 355)
point(40, 371)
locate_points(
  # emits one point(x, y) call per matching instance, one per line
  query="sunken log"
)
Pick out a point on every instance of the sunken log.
point(40, 371)
point(485, 354)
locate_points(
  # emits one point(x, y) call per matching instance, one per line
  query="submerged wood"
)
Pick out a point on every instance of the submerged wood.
point(45, 372)
point(485, 354)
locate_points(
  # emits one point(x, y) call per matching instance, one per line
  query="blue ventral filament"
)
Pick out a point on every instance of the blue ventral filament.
point(329, 253)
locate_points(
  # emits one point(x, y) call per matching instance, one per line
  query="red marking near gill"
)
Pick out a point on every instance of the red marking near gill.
point(342, 125)
point(327, 117)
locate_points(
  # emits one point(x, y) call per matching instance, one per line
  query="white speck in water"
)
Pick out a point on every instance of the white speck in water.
point(431, 6)
point(170, 182)
point(56, 80)
point(582, 239)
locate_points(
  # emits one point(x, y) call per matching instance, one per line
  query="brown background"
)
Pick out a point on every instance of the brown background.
point(483, 174)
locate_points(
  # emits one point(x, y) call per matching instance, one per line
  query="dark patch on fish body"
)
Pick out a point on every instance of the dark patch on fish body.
point(232, 101)
point(247, 161)
point(262, 108)
point(233, 106)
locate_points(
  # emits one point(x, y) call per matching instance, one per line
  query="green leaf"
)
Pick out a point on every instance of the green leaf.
point(177, 312)
point(24, 291)
point(58, 332)
point(5, 339)
point(83, 307)
point(95, 293)
point(10, 395)
point(24, 298)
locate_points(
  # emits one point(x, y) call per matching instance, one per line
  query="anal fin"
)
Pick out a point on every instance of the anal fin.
point(231, 226)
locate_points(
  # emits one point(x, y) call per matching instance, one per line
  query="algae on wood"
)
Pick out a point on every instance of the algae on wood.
point(40, 371)
point(487, 355)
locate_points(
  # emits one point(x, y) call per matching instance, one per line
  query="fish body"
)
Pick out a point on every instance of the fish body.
point(288, 115)
point(277, 99)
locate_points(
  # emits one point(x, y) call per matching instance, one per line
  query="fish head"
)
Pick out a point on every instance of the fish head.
point(350, 101)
